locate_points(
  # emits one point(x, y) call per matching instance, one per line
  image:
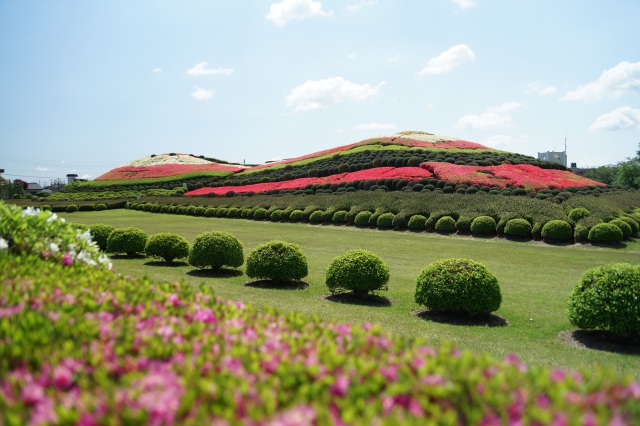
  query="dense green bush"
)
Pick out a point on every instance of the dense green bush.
point(216, 249)
point(339, 217)
point(578, 213)
point(278, 261)
point(357, 271)
point(557, 230)
point(100, 233)
point(276, 215)
point(446, 225)
point(101, 207)
point(296, 215)
point(316, 217)
point(458, 286)
point(417, 222)
point(191, 210)
point(536, 230)
point(363, 218)
point(209, 212)
point(635, 228)
point(199, 211)
point(624, 227)
point(385, 220)
point(483, 225)
point(127, 240)
point(581, 233)
point(168, 246)
point(233, 212)
point(463, 224)
point(607, 298)
point(86, 208)
point(605, 233)
point(71, 208)
point(400, 220)
point(260, 213)
point(518, 228)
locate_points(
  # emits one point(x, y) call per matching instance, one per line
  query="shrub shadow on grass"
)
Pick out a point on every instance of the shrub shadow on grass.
point(210, 273)
point(610, 245)
point(484, 236)
point(601, 340)
point(558, 243)
point(479, 320)
point(352, 299)
point(126, 256)
point(163, 263)
point(277, 285)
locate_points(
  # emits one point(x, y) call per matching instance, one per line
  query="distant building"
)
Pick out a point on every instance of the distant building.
point(71, 178)
point(33, 188)
point(554, 157)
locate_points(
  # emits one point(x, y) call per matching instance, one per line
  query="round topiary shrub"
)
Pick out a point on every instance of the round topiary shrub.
point(459, 286)
point(295, 216)
point(128, 240)
point(624, 227)
point(581, 233)
point(209, 212)
point(276, 215)
point(168, 246)
point(71, 208)
point(385, 220)
point(446, 225)
point(605, 233)
point(216, 249)
point(463, 224)
point(578, 213)
point(635, 228)
point(316, 216)
point(100, 233)
point(357, 271)
point(191, 210)
point(362, 218)
point(606, 298)
point(339, 217)
point(557, 230)
point(483, 225)
point(87, 208)
point(518, 228)
point(199, 211)
point(260, 213)
point(278, 261)
point(100, 207)
point(417, 222)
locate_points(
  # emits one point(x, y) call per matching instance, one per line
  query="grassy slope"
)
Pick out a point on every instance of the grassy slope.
point(536, 279)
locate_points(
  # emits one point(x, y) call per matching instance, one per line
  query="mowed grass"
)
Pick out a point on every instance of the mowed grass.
point(535, 278)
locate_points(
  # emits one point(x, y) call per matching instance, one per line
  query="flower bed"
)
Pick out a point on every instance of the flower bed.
point(166, 170)
point(409, 173)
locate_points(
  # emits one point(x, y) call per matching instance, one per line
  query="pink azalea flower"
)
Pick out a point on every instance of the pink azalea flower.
point(62, 377)
point(67, 260)
point(32, 393)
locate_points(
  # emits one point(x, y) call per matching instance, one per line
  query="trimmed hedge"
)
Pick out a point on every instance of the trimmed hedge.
point(215, 250)
point(518, 228)
point(605, 233)
point(446, 225)
point(483, 225)
point(357, 271)
point(100, 233)
point(385, 220)
point(129, 240)
point(277, 260)
point(363, 218)
point(624, 227)
point(168, 246)
point(71, 208)
point(417, 222)
point(578, 213)
point(557, 230)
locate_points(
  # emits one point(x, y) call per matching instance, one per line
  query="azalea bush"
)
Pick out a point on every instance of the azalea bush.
point(129, 240)
point(100, 233)
point(605, 233)
point(278, 261)
point(216, 249)
point(357, 271)
point(557, 230)
point(167, 246)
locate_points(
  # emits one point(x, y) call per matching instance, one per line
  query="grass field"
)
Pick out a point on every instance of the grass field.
point(535, 279)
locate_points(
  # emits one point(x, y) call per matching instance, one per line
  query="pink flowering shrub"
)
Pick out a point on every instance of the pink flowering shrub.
point(165, 170)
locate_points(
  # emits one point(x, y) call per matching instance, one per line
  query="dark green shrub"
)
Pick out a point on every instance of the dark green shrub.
point(276, 215)
point(128, 240)
point(581, 233)
point(607, 298)
point(168, 246)
point(536, 230)
point(222, 212)
point(518, 228)
point(209, 212)
point(71, 208)
point(182, 210)
point(295, 216)
point(483, 225)
point(87, 208)
point(635, 228)
point(100, 233)
point(557, 230)
point(385, 220)
point(45, 207)
point(199, 211)
point(79, 226)
point(191, 210)
point(357, 271)
point(278, 261)
point(624, 227)
point(401, 220)
point(339, 216)
point(362, 218)
point(233, 212)
point(316, 217)
point(417, 222)
point(446, 225)
point(260, 213)
point(459, 286)
point(463, 224)
point(216, 249)
point(100, 207)
point(578, 213)
point(605, 233)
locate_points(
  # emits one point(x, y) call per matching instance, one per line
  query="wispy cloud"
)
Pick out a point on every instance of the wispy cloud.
point(492, 118)
point(464, 4)
point(539, 89)
point(618, 119)
point(394, 58)
point(354, 7)
point(315, 94)
point(375, 126)
point(157, 70)
point(448, 60)
point(351, 57)
point(613, 82)
point(203, 69)
point(201, 94)
point(287, 10)
point(42, 169)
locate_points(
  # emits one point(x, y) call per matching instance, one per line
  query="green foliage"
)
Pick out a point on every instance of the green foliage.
point(458, 286)
point(581, 233)
point(628, 174)
point(483, 225)
point(417, 222)
point(363, 218)
point(446, 225)
point(216, 249)
point(71, 208)
point(296, 215)
point(100, 233)
point(101, 207)
point(608, 298)
point(129, 240)
point(385, 220)
point(357, 271)
point(518, 228)
point(260, 213)
point(624, 227)
point(635, 228)
point(168, 246)
point(276, 215)
point(578, 213)
point(463, 224)
point(604, 174)
point(278, 261)
point(316, 216)
point(339, 217)
point(605, 233)
point(557, 230)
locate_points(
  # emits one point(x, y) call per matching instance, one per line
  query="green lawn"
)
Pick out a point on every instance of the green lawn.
point(535, 278)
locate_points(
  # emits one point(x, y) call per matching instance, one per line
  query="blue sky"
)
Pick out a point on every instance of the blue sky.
point(86, 86)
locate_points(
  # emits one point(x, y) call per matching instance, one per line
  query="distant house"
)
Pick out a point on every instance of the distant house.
point(554, 157)
point(33, 188)
point(72, 177)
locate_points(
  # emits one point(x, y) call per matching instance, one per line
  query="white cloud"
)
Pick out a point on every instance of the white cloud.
point(351, 57)
point(618, 119)
point(354, 7)
point(539, 89)
point(614, 82)
point(42, 169)
point(201, 94)
point(494, 117)
point(394, 58)
point(158, 69)
point(201, 69)
point(375, 126)
point(500, 141)
point(86, 176)
point(464, 4)
point(314, 94)
point(448, 60)
point(288, 10)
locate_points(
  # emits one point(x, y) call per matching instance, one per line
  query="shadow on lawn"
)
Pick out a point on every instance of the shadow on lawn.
point(217, 273)
point(277, 285)
point(352, 299)
point(601, 340)
point(126, 256)
point(479, 320)
point(165, 264)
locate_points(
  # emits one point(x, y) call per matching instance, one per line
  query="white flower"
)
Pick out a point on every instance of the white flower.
point(54, 248)
point(52, 217)
point(30, 211)
point(3, 244)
